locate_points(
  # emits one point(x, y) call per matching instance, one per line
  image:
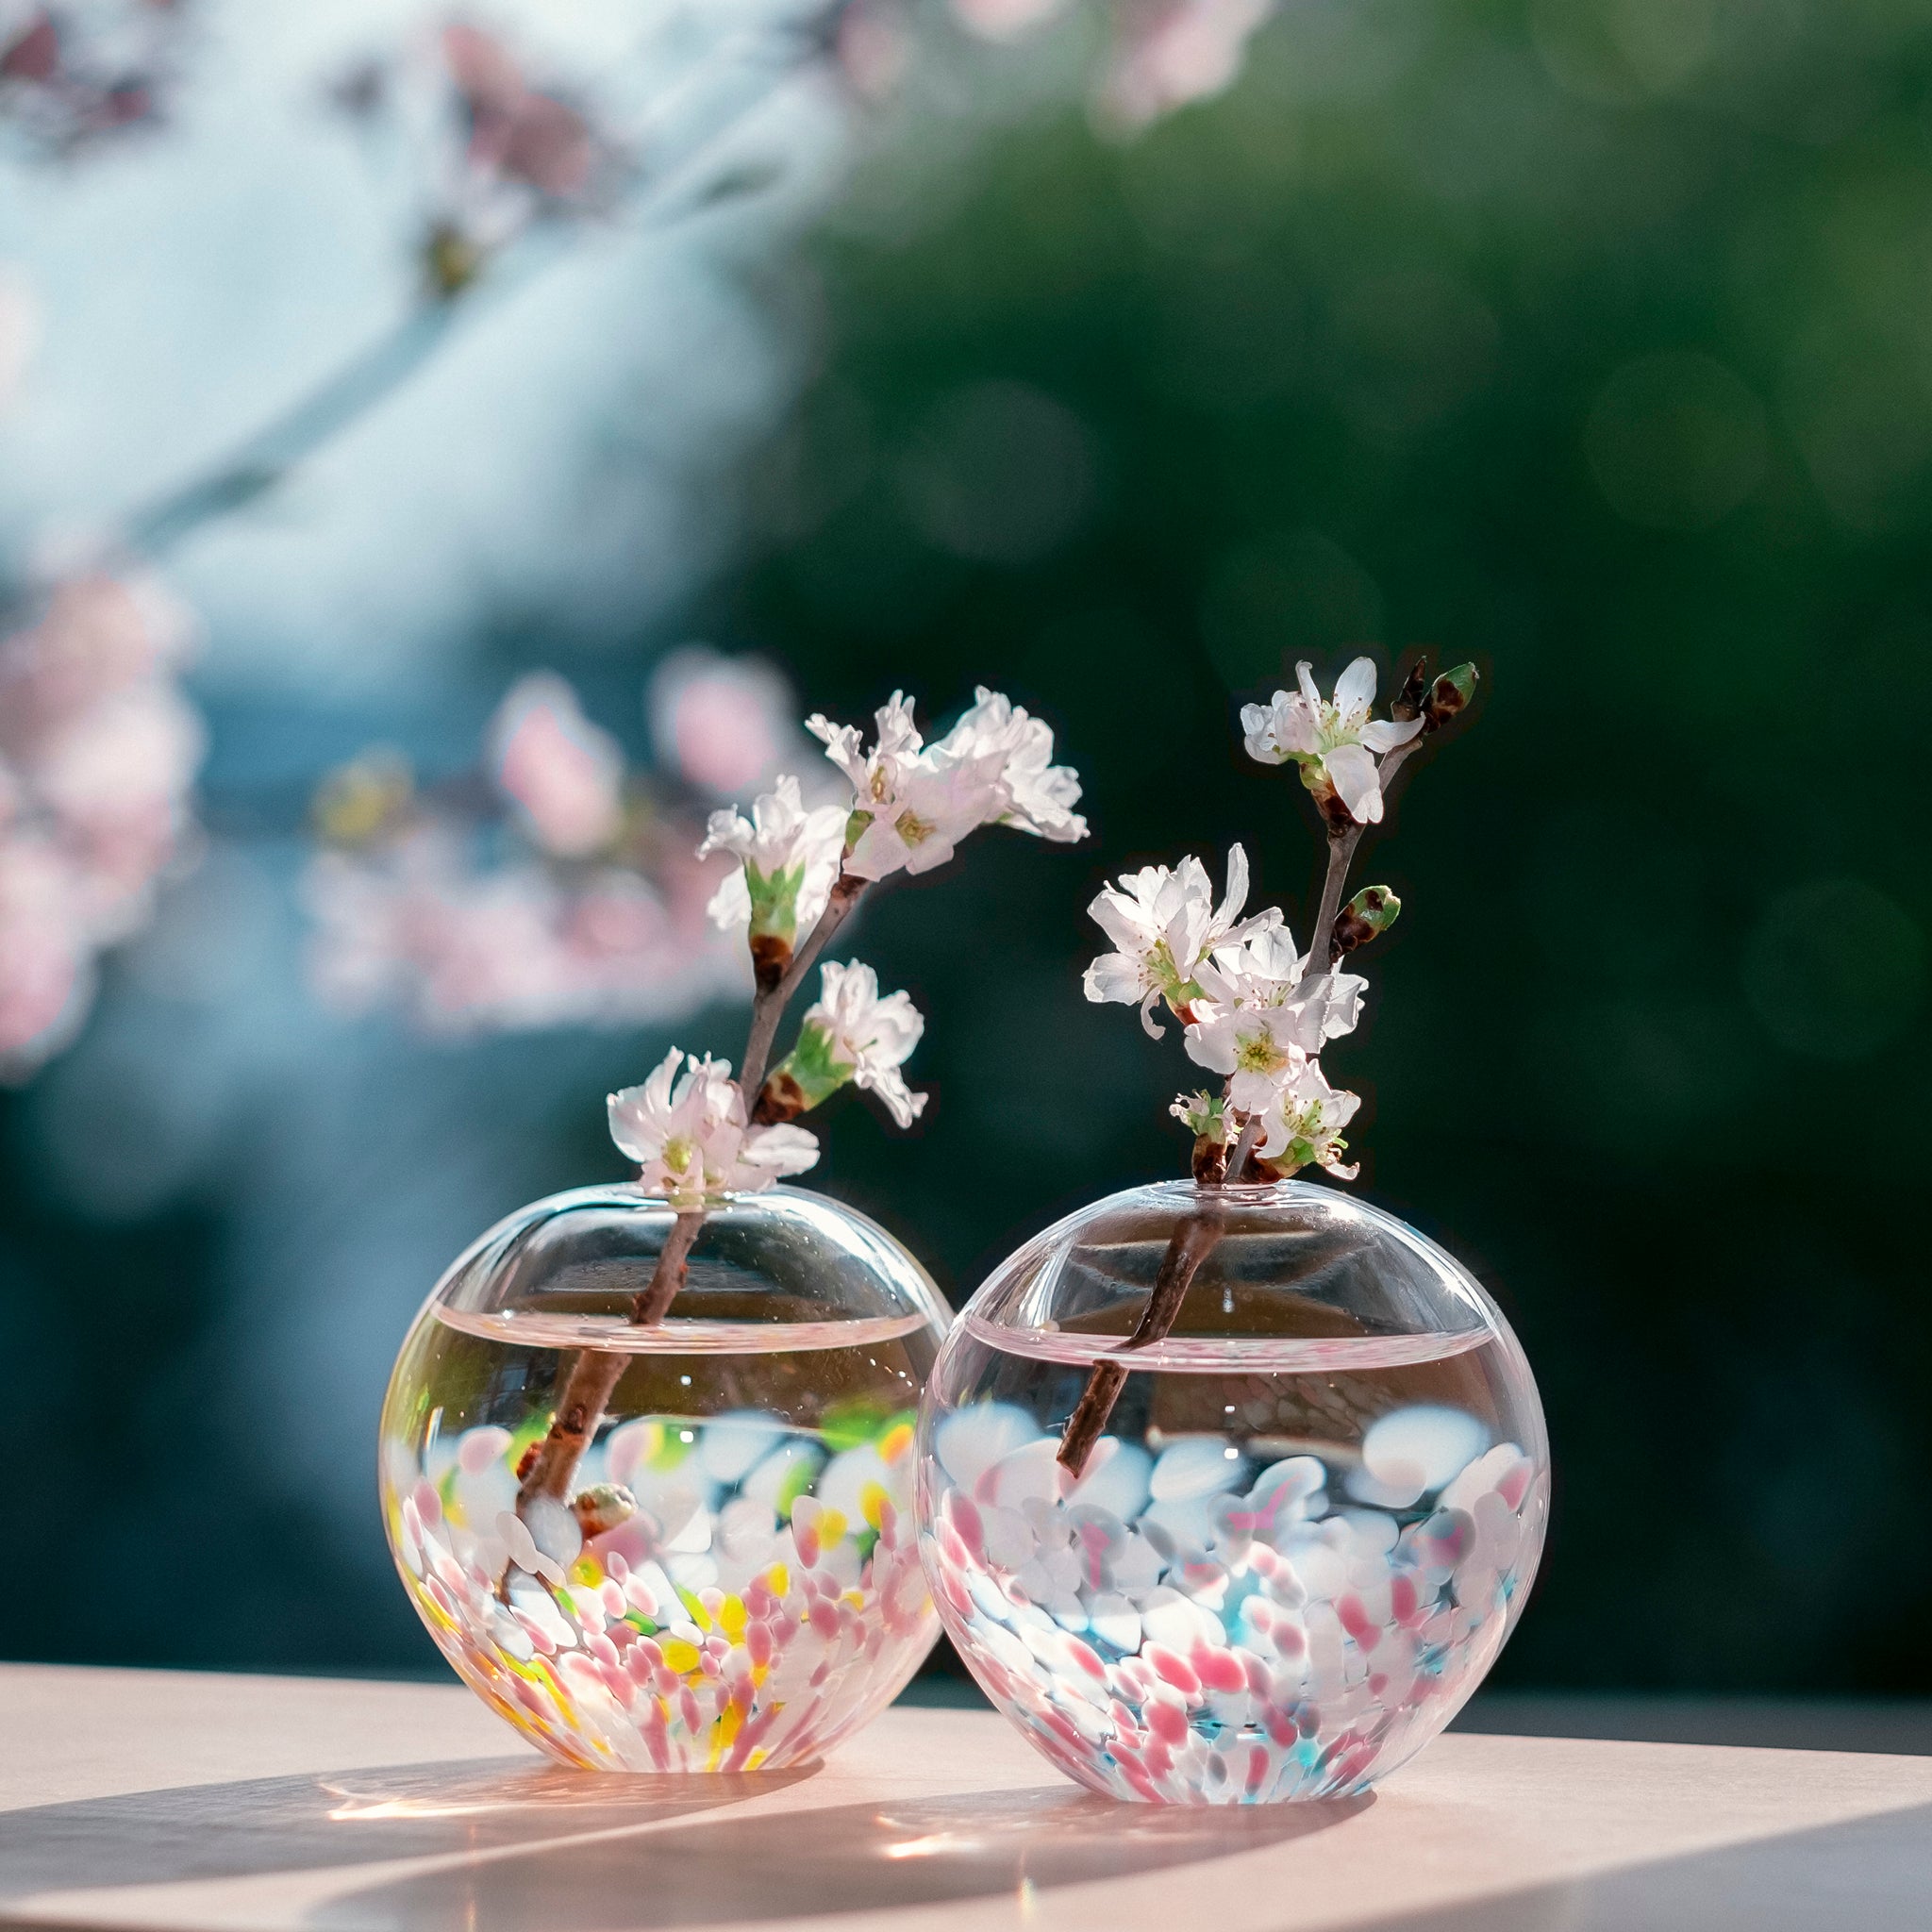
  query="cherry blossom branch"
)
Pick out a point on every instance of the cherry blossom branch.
point(1272, 734)
point(267, 456)
point(595, 1373)
point(1244, 1147)
point(1191, 1243)
point(768, 1006)
point(706, 1134)
point(550, 1470)
point(1343, 842)
point(270, 454)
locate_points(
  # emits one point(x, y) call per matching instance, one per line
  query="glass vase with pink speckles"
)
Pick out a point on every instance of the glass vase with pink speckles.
point(1304, 1530)
point(729, 1579)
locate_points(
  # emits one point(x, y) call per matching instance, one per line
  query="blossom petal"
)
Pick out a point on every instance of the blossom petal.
point(1236, 887)
point(1352, 771)
point(879, 853)
point(1355, 690)
point(1211, 1044)
point(730, 905)
point(1383, 734)
point(1114, 979)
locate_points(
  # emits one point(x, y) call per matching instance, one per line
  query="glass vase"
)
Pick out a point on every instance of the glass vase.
point(1304, 1531)
point(728, 1578)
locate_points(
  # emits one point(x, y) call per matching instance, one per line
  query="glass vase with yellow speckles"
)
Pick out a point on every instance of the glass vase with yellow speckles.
point(685, 1544)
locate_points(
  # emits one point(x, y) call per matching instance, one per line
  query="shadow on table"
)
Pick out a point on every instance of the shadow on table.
point(844, 1858)
point(1868, 1875)
point(352, 1818)
point(527, 1845)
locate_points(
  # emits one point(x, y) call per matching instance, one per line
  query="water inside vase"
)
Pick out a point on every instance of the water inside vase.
point(1281, 1569)
point(760, 1596)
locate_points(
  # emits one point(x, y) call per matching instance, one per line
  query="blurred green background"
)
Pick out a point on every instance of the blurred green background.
point(1591, 340)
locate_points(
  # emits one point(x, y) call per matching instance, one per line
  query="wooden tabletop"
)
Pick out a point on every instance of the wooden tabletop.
point(138, 1799)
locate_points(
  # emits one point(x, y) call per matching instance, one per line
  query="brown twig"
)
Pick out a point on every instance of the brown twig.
point(652, 1302)
point(551, 1468)
point(1244, 1147)
point(769, 1005)
point(1191, 1244)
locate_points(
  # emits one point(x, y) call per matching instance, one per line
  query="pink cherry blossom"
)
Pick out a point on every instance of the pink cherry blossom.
point(1167, 53)
point(1004, 20)
point(46, 952)
point(74, 75)
point(566, 774)
point(912, 803)
point(725, 725)
point(98, 751)
point(415, 924)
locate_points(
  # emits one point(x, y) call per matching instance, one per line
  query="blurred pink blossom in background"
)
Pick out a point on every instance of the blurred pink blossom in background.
point(495, 151)
point(462, 949)
point(1167, 53)
point(597, 916)
point(516, 132)
point(723, 725)
point(98, 752)
point(1161, 54)
point(1002, 19)
point(74, 74)
point(566, 774)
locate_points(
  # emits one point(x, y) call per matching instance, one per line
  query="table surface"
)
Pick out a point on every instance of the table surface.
point(153, 1799)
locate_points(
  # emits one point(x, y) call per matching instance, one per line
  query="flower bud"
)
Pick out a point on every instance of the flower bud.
point(1449, 695)
point(1373, 910)
point(811, 1073)
point(603, 1509)
point(1407, 701)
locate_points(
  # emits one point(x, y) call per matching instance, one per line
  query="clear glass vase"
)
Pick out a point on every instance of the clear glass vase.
point(728, 1578)
point(1304, 1530)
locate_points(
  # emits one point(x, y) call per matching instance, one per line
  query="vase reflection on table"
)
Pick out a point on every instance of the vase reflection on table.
point(1303, 1537)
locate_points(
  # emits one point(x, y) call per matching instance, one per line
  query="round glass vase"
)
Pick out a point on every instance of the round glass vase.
point(727, 1579)
point(1304, 1530)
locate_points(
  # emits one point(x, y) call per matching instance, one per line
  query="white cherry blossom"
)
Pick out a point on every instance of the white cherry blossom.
point(1332, 739)
point(1259, 1048)
point(1042, 794)
point(791, 856)
point(912, 804)
point(689, 1137)
point(1265, 971)
point(864, 1038)
point(1302, 1126)
point(1165, 926)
